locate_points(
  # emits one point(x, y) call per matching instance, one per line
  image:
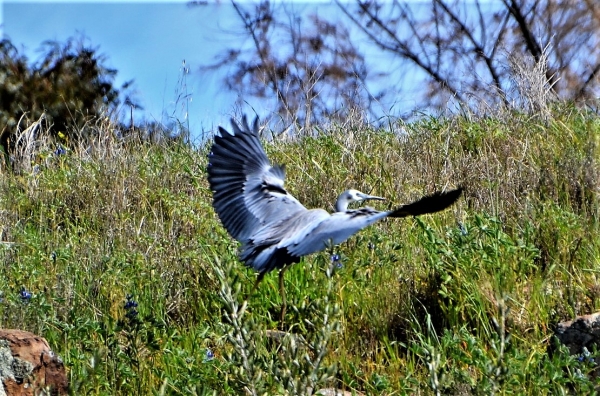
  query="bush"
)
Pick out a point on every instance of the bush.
point(70, 85)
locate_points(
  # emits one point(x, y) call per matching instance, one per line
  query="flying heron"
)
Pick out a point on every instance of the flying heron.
point(274, 228)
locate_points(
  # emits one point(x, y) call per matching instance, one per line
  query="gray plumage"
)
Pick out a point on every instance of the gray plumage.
point(276, 230)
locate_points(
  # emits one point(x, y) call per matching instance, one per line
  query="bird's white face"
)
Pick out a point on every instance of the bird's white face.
point(354, 196)
point(351, 196)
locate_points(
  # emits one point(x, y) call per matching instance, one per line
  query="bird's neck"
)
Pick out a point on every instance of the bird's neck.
point(341, 205)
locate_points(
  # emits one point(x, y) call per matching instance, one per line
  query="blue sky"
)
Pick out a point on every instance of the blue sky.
point(148, 42)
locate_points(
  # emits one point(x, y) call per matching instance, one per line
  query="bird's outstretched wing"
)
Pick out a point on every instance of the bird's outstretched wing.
point(341, 225)
point(333, 229)
point(429, 204)
point(247, 191)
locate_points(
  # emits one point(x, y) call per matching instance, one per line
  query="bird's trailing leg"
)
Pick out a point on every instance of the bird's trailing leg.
point(282, 291)
point(334, 258)
point(259, 278)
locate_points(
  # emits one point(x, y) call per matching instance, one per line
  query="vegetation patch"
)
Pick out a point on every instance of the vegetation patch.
point(114, 254)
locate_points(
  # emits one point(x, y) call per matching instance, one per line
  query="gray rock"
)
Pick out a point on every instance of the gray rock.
point(28, 367)
point(582, 332)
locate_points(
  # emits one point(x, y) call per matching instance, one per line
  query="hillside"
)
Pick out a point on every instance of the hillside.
point(135, 283)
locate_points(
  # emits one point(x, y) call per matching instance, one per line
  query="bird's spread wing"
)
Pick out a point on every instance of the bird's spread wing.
point(335, 229)
point(429, 204)
point(247, 191)
point(340, 226)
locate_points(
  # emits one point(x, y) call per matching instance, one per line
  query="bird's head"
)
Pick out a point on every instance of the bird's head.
point(351, 196)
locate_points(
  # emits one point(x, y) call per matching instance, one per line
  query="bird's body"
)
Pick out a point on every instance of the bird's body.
point(274, 228)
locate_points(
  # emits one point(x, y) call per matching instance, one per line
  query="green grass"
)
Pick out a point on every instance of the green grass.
point(460, 302)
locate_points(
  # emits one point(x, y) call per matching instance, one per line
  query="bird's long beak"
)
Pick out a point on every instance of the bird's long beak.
point(367, 197)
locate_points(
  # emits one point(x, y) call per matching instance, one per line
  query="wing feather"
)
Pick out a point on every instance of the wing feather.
point(342, 225)
point(268, 248)
point(248, 192)
point(335, 229)
point(429, 204)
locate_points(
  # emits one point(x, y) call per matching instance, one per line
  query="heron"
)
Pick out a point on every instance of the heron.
point(275, 230)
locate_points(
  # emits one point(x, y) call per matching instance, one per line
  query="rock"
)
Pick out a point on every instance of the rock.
point(28, 366)
point(581, 336)
point(583, 332)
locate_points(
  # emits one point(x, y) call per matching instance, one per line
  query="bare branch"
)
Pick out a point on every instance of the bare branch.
point(400, 48)
point(478, 50)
